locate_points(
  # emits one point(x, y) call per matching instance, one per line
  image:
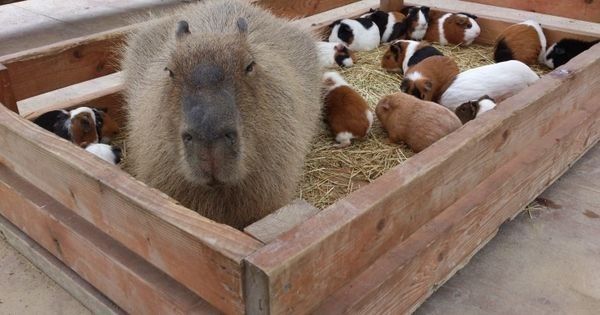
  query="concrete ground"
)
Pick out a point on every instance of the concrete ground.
point(546, 263)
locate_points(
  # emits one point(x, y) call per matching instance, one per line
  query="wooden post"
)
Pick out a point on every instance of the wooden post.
point(391, 5)
point(7, 97)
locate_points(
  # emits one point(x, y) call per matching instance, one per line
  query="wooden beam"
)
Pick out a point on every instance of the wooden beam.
point(405, 276)
point(80, 289)
point(270, 227)
point(296, 9)
point(391, 5)
point(201, 254)
point(124, 277)
point(7, 96)
point(585, 10)
point(343, 240)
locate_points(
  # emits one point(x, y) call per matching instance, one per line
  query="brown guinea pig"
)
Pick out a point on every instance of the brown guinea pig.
point(452, 28)
point(347, 112)
point(471, 109)
point(83, 127)
point(524, 42)
point(403, 54)
point(413, 121)
point(430, 78)
point(106, 127)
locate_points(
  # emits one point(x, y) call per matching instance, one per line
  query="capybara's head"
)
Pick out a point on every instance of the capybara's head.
point(212, 82)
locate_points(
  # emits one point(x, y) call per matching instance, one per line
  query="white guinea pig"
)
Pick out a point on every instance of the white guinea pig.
point(499, 81)
point(334, 54)
point(106, 152)
point(452, 28)
point(361, 34)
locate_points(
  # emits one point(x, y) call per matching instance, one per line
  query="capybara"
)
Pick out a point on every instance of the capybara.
point(223, 99)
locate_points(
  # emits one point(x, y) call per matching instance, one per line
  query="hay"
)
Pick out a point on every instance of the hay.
point(330, 173)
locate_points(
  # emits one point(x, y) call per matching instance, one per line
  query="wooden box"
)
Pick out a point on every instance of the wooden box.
point(383, 248)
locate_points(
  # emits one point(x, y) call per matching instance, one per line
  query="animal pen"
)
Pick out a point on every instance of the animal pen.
point(381, 249)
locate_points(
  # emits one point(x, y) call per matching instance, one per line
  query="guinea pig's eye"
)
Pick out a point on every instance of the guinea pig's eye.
point(250, 67)
point(469, 25)
point(171, 74)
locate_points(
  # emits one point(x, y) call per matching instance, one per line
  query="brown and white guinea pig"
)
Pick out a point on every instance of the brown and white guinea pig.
point(389, 23)
point(416, 23)
point(524, 42)
point(413, 121)
point(360, 34)
point(106, 127)
point(108, 153)
point(346, 112)
point(498, 80)
point(429, 79)
point(403, 54)
point(82, 128)
point(566, 49)
point(334, 54)
point(57, 122)
point(471, 109)
point(453, 28)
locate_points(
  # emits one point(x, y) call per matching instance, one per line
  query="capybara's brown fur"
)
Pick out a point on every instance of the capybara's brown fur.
point(223, 100)
point(430, 78)
point(413, 121)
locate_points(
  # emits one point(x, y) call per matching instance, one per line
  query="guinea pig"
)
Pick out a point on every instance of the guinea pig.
point(108, 153)
point(403, 54)
point(83, 126)
point(453, 28)
point(334, 54)
point(361, 34)
point(106, 127)
point(386, 22)
point(428, 79)
point(499, 81)
point(471, 109)
point(347, 112)
point(524, 42)
point(566, 49)
point(57, 122)
point(415, 24)
point(413, 121)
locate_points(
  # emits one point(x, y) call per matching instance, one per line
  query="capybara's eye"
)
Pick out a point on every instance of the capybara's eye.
point(171, 74)
point(250, 67)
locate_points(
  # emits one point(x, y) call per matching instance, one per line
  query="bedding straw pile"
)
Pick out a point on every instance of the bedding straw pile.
point(331, 173)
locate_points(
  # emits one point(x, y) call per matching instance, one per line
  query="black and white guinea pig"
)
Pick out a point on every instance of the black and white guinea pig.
point(416, 22)
point(452, 28)
point(524, 42)
point(56, 121)
point(402, 54)
point(108, 153)
point(566, 49)
point(334, 54)
point(360, 34)
point(471, 109)
point(389, 23)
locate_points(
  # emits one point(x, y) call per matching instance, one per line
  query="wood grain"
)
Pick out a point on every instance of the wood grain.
point(585, 10)
point(7, 96)
point(201, 254)
point(368, 223)
point(124, 277)
point(391, 5)
point(296, 9)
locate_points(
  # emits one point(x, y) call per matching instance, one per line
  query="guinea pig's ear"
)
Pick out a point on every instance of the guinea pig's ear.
point(425, 10)
point(242, 25)
point(428, 85)
point(183, 29)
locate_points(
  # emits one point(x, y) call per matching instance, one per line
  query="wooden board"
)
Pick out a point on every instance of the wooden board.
point(124, 277)
point(295, 9)
point(586, 10)
point(368, 223)
point(174, 239)
point(81, 290)
point(391, 5)
point(7, 96)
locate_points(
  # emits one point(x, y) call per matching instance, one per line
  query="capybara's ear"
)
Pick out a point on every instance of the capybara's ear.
point(183, 29)
point(242, 25)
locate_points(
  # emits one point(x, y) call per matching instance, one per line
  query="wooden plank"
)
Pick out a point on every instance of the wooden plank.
point(125, 278)
point(172, 238)
point(585, 10)
point(280, 221)
point(81, 290)
point(404, 277)
point(295, 9)
point(7, 97)
point(391, 5)
point(368, 223)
